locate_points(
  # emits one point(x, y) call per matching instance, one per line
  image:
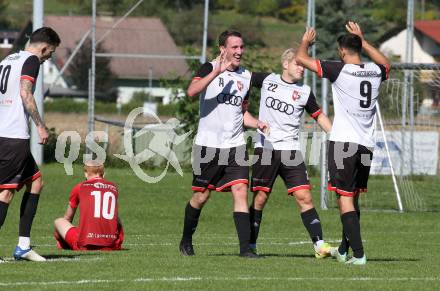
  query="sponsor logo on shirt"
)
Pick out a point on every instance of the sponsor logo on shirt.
point(101, 235)
point(366, 74)
point(279, 105)
point(229, 99)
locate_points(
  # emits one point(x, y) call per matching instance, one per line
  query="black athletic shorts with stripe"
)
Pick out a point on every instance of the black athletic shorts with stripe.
point(17, 166)
point(218, 169)
point(288, 164)
point(348, 167)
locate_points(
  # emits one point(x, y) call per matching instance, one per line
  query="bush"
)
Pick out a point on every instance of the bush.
point(67, 105)
point(167, 110)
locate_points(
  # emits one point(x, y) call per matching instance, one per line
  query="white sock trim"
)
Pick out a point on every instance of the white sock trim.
point(24, 242)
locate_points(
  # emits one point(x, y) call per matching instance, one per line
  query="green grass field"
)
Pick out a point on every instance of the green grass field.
point(401, 248)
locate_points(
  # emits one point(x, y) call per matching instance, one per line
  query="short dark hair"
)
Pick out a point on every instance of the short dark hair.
point(225, 34)
point(46, 35)
point(350, 41)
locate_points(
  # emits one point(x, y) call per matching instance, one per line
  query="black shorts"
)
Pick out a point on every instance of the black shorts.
point(272, 163)
point(348, 167)
point(17, 166)
point(219, 169)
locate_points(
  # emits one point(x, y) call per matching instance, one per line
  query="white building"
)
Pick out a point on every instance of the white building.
point(426, 49)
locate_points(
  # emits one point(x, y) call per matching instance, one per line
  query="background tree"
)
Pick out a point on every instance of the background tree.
point(79, 71)
point(4, 21)
point(333, 15)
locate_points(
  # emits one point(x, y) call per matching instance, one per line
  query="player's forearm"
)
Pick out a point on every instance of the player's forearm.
point(303, 58)
point(31, 107)
point(70, 213)
point(196, 87)
point(374, 54)
point(250, 121)
point(324, 122)
point(302, 54)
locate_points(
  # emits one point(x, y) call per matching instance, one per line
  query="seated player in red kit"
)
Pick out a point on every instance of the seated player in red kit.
point(99, 225)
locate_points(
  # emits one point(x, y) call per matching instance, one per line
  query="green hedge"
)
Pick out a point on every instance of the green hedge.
point(67, 105)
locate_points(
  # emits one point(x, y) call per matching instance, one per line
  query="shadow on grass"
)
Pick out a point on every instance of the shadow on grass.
point(268, 255)
point(393, 260)
point(287, 255)
point(264, 255)
point(70, 256)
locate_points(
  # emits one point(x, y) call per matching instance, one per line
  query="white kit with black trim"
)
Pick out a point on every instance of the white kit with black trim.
point(281, 107)
point(355, 91)
point(14, 120)
point(221, 111)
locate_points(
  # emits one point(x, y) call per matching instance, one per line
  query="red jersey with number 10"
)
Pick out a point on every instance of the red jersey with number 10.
point(98, 206)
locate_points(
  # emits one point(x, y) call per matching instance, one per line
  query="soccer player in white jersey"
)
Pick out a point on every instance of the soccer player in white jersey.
point(219, 152)
point(18, 72)
point(283, 101)
point(355, 88)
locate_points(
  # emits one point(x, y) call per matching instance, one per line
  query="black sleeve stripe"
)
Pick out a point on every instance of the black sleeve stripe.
point(384, 71)
point(30, 68)
point(331, 69)
point(203, 71)
point(257, 79)
point(312, 107)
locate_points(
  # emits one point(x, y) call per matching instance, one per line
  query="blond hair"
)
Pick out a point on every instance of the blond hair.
point(94, 168)
point(288, 55)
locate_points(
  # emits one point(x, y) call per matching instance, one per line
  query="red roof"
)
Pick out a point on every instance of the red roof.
point(134, 35)
point(430, 28)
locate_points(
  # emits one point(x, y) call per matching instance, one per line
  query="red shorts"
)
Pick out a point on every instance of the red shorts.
point(72, 237)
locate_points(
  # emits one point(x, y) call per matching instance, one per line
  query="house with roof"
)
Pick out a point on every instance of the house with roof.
point(134, 35)
point(426, 49)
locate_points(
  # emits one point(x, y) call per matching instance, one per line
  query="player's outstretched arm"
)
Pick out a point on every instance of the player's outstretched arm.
point(302, 55)
point(31, 107)
point(324, 122)
point(198, 85)
point(374, 54)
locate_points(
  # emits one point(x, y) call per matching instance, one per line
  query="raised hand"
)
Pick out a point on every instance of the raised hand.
point(221, 63)
point(309, 36)
point(354, 28)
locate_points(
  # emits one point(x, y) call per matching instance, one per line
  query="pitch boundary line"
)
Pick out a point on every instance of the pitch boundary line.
point(186, 279)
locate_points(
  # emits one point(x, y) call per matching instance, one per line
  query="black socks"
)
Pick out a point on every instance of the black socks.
point(312, 223)
point(190, 222)
point(255, 217)
point(345, 245)
point(28, 208)
point(242, 225)
point(3, 211)
point(352, 231)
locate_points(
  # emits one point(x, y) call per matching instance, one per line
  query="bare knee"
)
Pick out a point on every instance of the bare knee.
point(240, 189)
point(239, 194)
point(199, 199)
point(260, 199)
point(346, 204)
point(6, 196)
point(36, 186)
point(304, 199)
point(58, 222)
